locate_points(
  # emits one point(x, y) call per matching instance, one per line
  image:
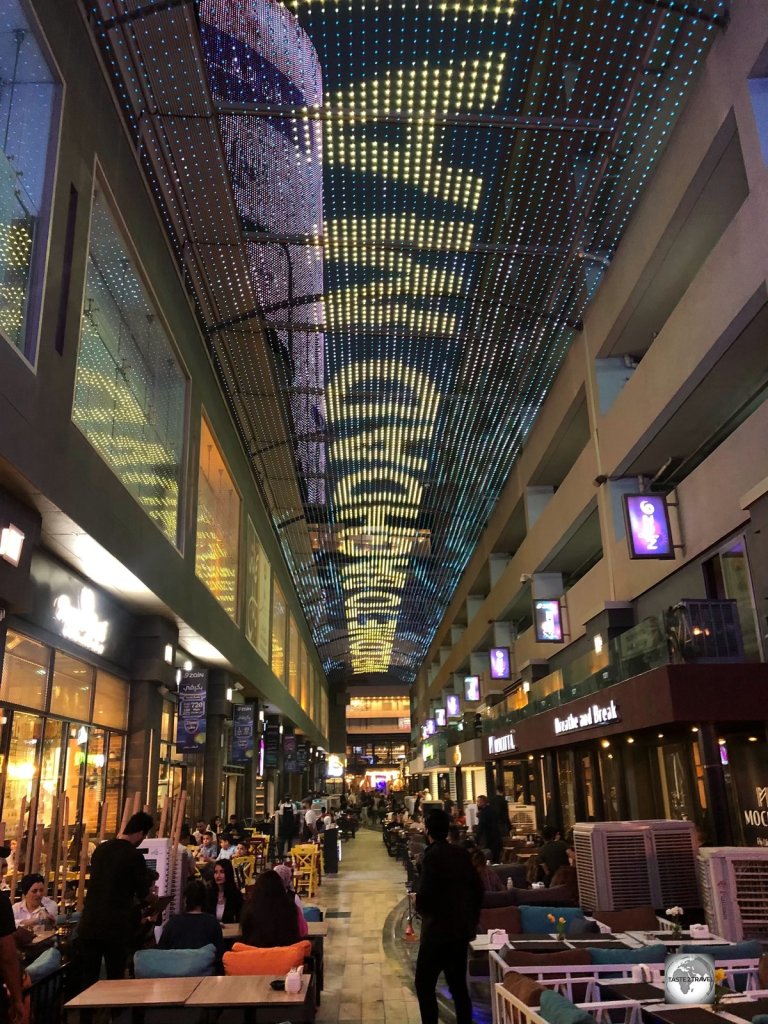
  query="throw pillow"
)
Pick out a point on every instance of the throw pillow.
point(556, 1009)
point(655, 954)
point(526, 989)
point(536, 919)
point(174, 963)
point(271, 960)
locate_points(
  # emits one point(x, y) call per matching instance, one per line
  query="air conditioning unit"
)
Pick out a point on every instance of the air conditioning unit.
point(734, 891)
point(522, 818)
point(157, 856)
point(625, 864)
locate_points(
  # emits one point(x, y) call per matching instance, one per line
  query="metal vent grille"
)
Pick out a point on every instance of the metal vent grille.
point(751, 880)
point(628, 869)
point(585, 866)
point(675, 857)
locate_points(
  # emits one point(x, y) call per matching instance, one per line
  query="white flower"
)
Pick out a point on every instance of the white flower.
point(674, 912)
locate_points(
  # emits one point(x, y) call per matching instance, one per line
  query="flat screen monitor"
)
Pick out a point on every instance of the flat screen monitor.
point(429, 727)
point(499, 661)
point(471, 688)
point(547, 622)
point(647, 521)
point(453, 706)
point(440, 716)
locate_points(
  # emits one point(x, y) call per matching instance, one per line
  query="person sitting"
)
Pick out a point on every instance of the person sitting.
point(226, 849)
point(285, 872)
point(208, 850)
point(224, 901)
point(235, 827)
point(216, 826)
point(194, 928)
point(200, 829)
point(269, 914)
point(489, 878)
point(35, 909)
point(553, 854)
point(242, 850)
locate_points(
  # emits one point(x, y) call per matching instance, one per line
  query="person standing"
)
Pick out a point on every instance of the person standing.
point(448, 898)
point(286, 826)
point(120, 879)
point(11, 1002)
point(488, 835)
point(501, 810)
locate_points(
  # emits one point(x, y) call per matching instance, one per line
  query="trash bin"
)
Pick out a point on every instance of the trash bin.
point(331, 851)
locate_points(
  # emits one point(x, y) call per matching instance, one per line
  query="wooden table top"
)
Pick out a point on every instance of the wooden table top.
point(244, 990)
point(316, 929)
point(136, 992)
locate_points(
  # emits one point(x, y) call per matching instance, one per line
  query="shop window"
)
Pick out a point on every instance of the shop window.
point(28, 102)
point(95, 775)
point(218, 523)
point(726, 575)
point(304, 678)
point(21, 769)
point(75, 750)
point(279, 613)
point(130, 392)
point(25, 671)
point(71, 688)
point(110, 706)
point(293, 659)
point(114, 783)
point(50, 771)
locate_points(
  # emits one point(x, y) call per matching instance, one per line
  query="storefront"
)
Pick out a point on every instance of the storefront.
point(64, 700)
point(666, 744)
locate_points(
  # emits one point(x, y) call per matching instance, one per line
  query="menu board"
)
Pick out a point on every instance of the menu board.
point(190, 723)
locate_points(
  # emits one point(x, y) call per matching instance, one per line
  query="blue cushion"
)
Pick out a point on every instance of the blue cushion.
point(313, 914)
point(174, 963)
point(535, 921)
point(760, 1018)
point(655, 954)
point(750, 950)
point(556, 1009)
point(45, 964)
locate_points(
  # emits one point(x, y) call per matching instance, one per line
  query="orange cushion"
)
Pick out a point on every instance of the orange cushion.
point(507, 918)
point(270, 960)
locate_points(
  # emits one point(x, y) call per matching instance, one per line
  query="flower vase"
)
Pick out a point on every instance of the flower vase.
point(677, 930)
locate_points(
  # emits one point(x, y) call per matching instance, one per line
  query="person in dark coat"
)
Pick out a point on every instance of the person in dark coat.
point(501, 810)
point(487, 834)
point(119, 881)
point(449, 899)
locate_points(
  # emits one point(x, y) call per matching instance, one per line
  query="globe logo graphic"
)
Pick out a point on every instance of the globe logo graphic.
point(689, 978)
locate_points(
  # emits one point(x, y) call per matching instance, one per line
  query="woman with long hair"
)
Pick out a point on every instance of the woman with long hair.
point(269, 914)
point(489, 878)
point(224, 897)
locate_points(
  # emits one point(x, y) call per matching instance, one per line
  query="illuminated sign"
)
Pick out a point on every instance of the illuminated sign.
point(501, 744)
point(430, 727)
point(335, 766)
point(547, 622)
point(498, 658)
point(648, 530)
point(440, 716)
point(472, 688)
point(452, 706)
point(597, 714)
point(11, 544)
point(428, 751)
point(80, 622)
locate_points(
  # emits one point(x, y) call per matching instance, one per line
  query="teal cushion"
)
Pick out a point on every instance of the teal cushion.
point(174, 963)
point(313, 914)
point(556, 1009)
point(750, 950)
point(760, 1018)
point(655, 954)
point(534, 920)
point(45, 964)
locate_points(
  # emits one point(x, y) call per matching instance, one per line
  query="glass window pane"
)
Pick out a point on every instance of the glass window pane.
point(25, 671)
point(26, 735)
point(76, 748)
point(71, 688)
point(49, 771)
point(95, 774)
point(27, 102)
point(293, 660)
point(279, 613)
point(218, 524)
point(114, 791)
point(111, 704)
point(304, 677)
point(130, 392)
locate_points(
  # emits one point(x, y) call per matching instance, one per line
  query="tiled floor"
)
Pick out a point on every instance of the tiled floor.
point(363, 983)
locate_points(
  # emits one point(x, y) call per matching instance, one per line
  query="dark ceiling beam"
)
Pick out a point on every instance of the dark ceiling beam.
point(481, 248)
point(688, 10)
point(139, 13)
point(502, 121)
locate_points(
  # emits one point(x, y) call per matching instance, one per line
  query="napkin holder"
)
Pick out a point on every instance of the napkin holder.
point(293, 980)
point(497, 935)
point(699, 931)
point(641, 972)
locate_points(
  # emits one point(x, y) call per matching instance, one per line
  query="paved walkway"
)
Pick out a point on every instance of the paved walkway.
point(364, 982)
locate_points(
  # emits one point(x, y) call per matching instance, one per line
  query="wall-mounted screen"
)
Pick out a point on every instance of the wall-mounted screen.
point(453, 706)
point(547, 622)
point(647, 521)
point(471, 688)
point(440, 716)
point(499, 661)
point(429, 727)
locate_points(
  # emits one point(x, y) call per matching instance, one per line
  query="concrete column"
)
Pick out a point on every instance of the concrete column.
point(535, 500)
point(219, 709)
point(611, 375)
point(719, 831)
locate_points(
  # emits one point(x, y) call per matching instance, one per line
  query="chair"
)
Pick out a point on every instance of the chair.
point(636, 919)
point(305, 869)
point(260, 847)
point(245, 870)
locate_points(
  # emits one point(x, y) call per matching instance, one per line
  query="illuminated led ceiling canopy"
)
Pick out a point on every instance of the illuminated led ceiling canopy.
point(427, 194)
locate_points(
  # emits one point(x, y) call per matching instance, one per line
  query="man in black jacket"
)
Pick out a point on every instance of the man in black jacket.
point(488, 832)
point(119, 881)
point(449, 898)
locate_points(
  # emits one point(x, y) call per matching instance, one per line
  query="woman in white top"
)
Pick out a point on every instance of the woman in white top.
point(35, 909)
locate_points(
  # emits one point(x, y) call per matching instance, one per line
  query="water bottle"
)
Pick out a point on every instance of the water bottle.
point(509, 882)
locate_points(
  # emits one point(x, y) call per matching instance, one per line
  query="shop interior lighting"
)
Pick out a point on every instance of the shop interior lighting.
point(661, 736)
point(630, 739)
point(752, 739)
point(388, 268)
point(605, 743)
point(694, 728)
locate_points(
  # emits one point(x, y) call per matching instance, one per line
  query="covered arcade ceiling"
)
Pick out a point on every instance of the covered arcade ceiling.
point(392, 214)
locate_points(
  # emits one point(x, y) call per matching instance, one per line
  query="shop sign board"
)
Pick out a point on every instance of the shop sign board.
point(595, 715)
point(501, 744)
point(290, 758)
point(242, 733)
point(748, 770)
point(271, 743)
point(647, 521)
point(191, 719)
point(336, 766)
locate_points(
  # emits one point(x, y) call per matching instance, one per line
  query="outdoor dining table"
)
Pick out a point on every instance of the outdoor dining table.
point(651, 938)
point(254, 996)
point(316, 933)
point(135, 995)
